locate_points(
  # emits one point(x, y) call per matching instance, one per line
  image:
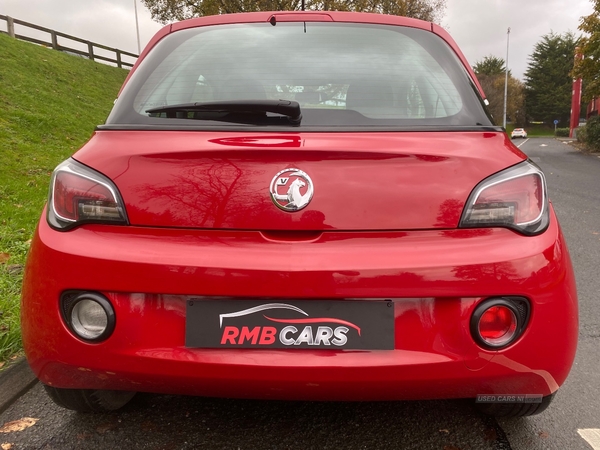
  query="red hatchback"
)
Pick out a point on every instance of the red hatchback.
point(308, 206)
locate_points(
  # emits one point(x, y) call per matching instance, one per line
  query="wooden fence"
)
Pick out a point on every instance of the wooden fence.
point(54, 35)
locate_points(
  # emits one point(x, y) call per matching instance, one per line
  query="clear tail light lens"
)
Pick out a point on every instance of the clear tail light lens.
point(514, 198)
point(79, 195)
point(89, 315)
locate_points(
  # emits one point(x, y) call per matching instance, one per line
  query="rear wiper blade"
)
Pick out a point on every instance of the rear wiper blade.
point(287, 108)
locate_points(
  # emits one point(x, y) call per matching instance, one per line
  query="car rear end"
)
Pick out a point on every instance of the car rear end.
point(392, 245)
point(518, 132)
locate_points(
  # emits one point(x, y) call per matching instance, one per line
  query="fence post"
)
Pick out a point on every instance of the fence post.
point(119, 63)
point(90, 50)
point(54, 40)
point(10, 26)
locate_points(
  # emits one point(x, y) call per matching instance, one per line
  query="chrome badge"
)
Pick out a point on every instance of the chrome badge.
point(291, 190)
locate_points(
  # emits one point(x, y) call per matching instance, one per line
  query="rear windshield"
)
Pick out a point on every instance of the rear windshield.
point(342, 75)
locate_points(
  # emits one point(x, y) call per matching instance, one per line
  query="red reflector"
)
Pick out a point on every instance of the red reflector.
point(497, 325)
point(525, 194)
point(71, 191)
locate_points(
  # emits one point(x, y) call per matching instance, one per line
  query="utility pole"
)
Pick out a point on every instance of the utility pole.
point(137, 26)
point(506, 76)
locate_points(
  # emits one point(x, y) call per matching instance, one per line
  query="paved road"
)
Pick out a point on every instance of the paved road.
point(574, 189)
point(169, 422)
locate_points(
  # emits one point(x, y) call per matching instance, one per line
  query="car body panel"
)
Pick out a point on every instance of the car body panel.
point(149, 274)
point(221, 180)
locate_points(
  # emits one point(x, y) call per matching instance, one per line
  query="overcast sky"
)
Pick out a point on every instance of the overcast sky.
point(479, 26)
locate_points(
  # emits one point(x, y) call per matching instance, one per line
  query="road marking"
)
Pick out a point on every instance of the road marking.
point(592, 437)
point(519, 146)
point(543, 145)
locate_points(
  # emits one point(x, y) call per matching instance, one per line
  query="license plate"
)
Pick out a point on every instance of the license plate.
point(314, 324)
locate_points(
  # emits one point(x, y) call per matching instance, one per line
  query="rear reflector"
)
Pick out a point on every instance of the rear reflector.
point(498, 322)
point(497, 325)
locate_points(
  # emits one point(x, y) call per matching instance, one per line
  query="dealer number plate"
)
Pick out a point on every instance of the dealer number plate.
point(314, 324)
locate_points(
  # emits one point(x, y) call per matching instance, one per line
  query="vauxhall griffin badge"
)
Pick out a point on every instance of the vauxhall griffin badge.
point(291, 189)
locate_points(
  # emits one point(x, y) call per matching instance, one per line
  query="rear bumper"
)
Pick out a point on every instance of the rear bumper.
point(435, 278)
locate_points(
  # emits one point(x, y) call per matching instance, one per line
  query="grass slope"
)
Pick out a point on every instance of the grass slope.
point(50, 103)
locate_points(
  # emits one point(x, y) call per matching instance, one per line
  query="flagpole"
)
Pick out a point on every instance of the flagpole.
point(137, 26)
point(506, 76)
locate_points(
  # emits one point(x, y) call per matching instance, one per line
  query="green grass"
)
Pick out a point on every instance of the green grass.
point(50, 103)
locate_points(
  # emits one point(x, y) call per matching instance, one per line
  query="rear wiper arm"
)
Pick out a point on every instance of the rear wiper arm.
point(290, 109)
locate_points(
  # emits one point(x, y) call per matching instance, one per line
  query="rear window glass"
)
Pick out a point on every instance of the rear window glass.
point(339, 73)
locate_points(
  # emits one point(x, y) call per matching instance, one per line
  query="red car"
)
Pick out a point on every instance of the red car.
point(300, 205)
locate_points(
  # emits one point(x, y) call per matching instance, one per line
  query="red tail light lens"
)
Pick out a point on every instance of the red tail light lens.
point(498, 322)
point(497, 325)
point(514, 198)
point(78, 195)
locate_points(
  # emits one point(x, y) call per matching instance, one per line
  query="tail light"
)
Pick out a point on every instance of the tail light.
point(498, 322)
point(79, 195)
point(514, 198)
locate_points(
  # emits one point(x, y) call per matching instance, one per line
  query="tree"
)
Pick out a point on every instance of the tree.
point(589, 46)
point(165, 11)
point(490, 65)
point(548, 82)
point(491, 72)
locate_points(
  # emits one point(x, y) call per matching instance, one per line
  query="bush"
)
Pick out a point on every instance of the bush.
point(591, 133)
point(581, 134)
point(562, 132)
